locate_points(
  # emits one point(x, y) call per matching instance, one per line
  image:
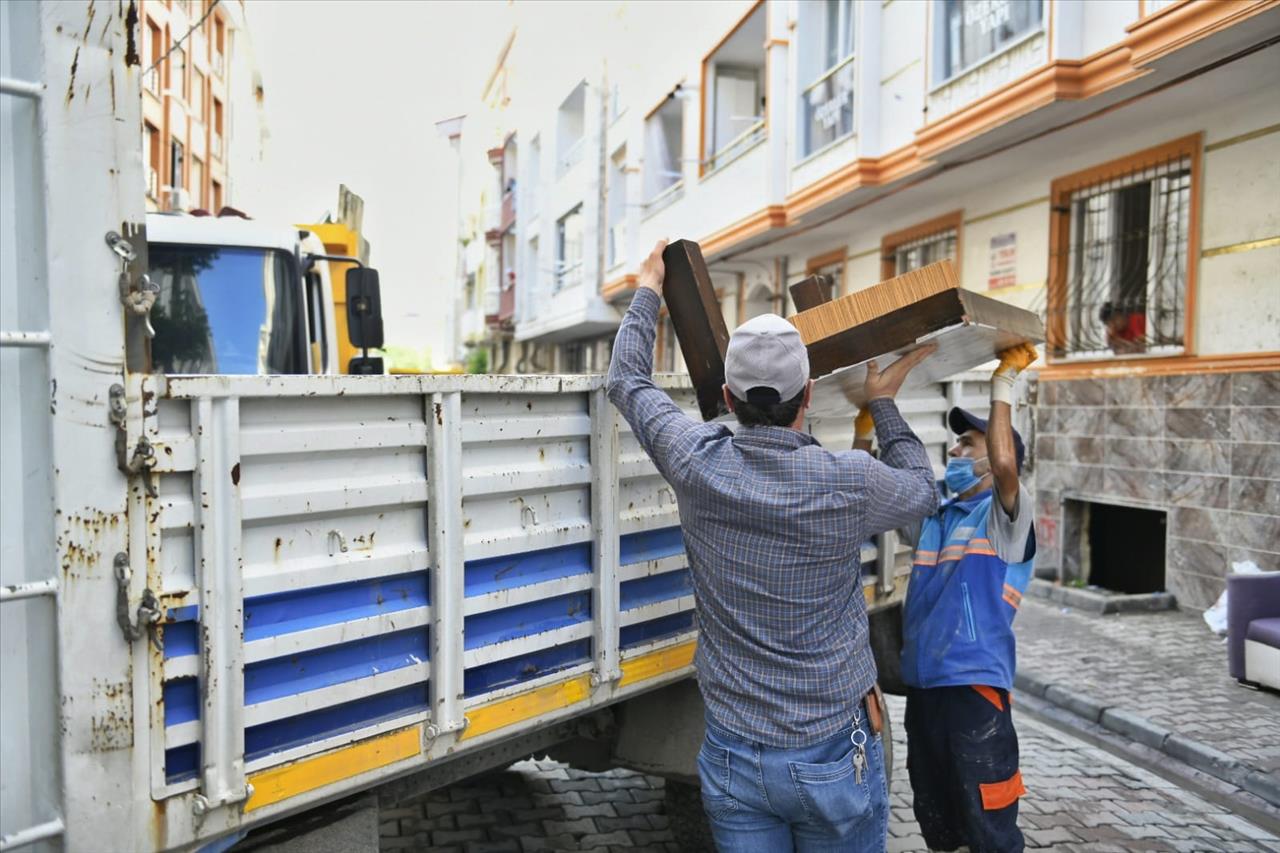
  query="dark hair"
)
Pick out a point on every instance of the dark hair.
point(768, 414)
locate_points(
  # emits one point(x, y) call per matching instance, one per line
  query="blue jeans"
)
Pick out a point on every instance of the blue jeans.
point(760, 799)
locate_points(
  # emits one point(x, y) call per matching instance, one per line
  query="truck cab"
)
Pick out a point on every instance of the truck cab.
point(237, 296)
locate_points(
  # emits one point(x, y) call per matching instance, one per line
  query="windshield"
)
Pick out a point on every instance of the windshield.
point(225, 309)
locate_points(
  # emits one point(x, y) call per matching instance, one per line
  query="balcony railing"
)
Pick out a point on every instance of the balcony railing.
point(828, 107)
point(572, 155)
point(508, 211)
point(507, 304)
point(151, 81)
point(738, 145)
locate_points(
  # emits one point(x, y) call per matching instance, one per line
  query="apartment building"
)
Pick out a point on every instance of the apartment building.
point(1111, 165)
point(186, 54)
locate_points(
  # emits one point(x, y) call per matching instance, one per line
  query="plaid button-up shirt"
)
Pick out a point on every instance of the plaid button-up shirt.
point(772, 525)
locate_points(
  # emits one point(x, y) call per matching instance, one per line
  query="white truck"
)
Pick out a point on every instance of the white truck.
point(228, 600)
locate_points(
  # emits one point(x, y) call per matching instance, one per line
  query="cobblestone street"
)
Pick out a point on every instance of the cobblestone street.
point(1080, 798)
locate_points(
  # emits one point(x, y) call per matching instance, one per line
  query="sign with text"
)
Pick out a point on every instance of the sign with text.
point(1004, 261)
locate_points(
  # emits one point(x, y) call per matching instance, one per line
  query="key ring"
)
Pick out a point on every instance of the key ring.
point(854, 738)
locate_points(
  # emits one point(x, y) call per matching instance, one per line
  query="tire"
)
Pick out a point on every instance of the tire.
point(688, 821)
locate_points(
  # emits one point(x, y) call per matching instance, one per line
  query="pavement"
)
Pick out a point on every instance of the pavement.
point(1159, 679)
point(1080, 798)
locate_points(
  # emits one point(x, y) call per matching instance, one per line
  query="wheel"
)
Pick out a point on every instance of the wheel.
point(688, 821)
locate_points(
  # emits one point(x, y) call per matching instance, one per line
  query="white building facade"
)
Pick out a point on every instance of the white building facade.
point(1111, 165)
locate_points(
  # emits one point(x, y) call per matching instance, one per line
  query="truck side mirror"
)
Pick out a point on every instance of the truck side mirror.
point(364, 308)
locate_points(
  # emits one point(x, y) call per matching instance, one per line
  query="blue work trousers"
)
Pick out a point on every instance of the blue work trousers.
point(761, 799)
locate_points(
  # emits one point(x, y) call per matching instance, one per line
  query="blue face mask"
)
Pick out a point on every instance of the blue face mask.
point(960, 477)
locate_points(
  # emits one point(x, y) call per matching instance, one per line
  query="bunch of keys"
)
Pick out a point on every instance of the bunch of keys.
point(859, 739)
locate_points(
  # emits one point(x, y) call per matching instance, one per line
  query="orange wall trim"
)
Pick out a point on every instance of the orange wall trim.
point(619, 287)
point(773, 216)
point(1173, 366)
point(1176, 26)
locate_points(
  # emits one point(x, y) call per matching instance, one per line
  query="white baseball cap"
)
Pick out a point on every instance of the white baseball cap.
point(766, 361)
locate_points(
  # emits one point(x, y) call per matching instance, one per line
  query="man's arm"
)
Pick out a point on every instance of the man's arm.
point(900, 486)
point(655, 418)
point(1002, 454)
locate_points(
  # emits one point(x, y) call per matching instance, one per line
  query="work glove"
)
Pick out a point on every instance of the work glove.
point(1012, 362)
point(864, 428)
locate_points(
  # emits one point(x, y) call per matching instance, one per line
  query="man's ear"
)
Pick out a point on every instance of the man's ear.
point(808, 394)
point(728, 396)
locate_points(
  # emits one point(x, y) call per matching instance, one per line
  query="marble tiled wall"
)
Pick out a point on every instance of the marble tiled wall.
point(1205, 448)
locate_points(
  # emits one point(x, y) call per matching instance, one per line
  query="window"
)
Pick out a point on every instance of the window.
point(177, 164)
point(1120, 254)
point(197, 182)
point(219, 44)
point(921, 245)
point(734, 84)
point(617, 207)
point(178, 73)
point(197, 95)
point(155, 43)
point(664, 147)
point(226, 310)
point(215, 143)
point(471, 290)
point(152, 140)
point(831, 265)
point(569, 249)
point(970, 31)
point(216, 192)
point(570, 127)
point(826, 65)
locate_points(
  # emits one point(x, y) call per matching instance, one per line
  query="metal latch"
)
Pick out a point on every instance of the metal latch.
point(140, 301)
point(142, 459)
point(148, 614)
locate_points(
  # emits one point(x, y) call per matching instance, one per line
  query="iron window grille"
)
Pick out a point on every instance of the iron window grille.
point(922, 251)
point(1123, 279)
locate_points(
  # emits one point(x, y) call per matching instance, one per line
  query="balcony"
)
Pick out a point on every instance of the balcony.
point(506, 316)
point(219, 63)
point(508, 215)
point(153, 184)
point(571, 156)
point(151, 81)
point(215, 146)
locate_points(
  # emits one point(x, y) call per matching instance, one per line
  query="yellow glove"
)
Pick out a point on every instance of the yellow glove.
point(1012, 362)
point(864, 427)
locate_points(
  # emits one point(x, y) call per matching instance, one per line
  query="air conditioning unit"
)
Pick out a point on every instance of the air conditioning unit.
point(179, 199)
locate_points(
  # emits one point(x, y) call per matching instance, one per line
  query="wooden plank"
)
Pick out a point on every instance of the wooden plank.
point(840, 315)
point(698, 323)
point(812, 291)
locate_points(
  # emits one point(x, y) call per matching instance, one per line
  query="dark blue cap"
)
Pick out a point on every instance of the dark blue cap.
point(961, 421)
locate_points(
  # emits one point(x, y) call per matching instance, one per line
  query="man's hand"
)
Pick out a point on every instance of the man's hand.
point(885, 385)
point(652, 271)
point(1012, 362)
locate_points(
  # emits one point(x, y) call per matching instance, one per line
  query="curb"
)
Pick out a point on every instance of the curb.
point(1193, 753)
point(1094, 602)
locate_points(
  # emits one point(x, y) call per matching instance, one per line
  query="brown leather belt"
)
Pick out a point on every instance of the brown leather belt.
point(874, 703)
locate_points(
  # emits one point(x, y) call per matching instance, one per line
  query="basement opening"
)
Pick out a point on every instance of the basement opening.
point(1118, 548)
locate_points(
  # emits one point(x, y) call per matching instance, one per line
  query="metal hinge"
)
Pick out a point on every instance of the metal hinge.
point(142, 459)
point(148, 613)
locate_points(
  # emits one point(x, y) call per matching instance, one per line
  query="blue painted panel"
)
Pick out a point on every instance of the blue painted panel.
point(286, 676)
point(503, 673)
point(181, 701)
point(286, 612)
point(327, 722)
point(509, 623)
point(181, 763)
point(656, 629)
point(654, 588)
point(187, 613)
point(180, 639)
point(530, 567)
point(650, 545)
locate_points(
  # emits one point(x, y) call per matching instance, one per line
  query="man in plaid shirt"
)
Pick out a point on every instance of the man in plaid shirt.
point(773, 523)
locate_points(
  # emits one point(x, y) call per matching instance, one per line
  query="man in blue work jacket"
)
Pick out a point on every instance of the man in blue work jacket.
point(972, 563)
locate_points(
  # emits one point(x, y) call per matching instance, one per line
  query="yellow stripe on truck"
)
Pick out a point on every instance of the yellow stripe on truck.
point(281, 783)
point(657, 663)
point(522, 706)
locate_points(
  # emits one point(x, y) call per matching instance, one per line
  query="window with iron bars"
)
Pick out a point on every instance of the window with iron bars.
point(1121, 276)
point(914, 254)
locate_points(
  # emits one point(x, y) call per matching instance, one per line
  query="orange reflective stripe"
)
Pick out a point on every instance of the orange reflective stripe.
point(1012, 596)
point(1000, 795)
point(990, 694)
point(984, 551)
point(927, 559)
